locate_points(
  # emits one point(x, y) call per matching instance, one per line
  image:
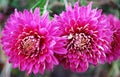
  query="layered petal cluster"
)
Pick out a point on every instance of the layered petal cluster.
point(88, 37)
point(30, 41)
point(114, 52)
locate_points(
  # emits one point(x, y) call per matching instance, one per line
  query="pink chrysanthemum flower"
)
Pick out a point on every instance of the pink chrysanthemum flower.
point(88, 37)
point(30, 40)
point(114, 54)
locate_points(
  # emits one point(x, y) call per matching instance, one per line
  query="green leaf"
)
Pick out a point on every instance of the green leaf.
point(40, 4)
point(83, 2)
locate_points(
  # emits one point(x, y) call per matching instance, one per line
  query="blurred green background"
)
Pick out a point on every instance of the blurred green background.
point(55, 7)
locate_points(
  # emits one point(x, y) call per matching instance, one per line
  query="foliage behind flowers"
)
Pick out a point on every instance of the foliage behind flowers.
point(77, 39)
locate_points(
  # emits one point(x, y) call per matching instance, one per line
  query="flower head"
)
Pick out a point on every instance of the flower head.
point(87, 35)
point(30, 41)
point(114, 52)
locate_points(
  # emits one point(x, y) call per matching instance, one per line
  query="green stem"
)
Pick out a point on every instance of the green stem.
point(45, 7)
point(66, 3)
point(36, 4)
